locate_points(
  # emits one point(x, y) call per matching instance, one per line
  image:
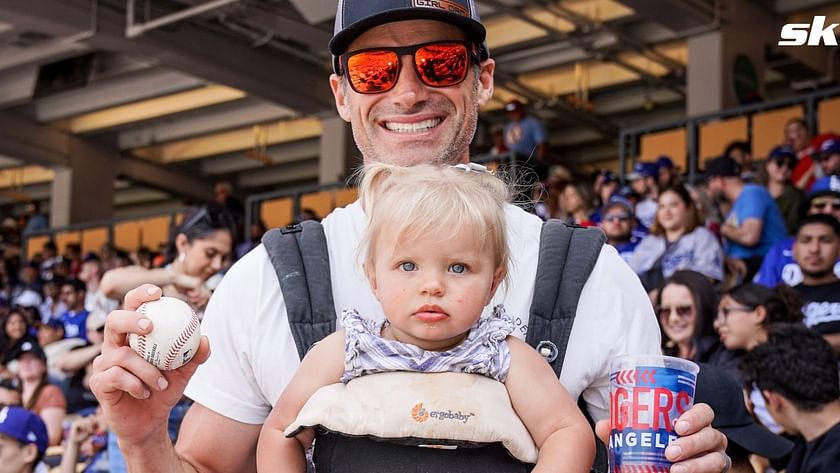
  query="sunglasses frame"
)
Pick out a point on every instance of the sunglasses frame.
point(688, 310)
point(822, 202)
point(410, 50)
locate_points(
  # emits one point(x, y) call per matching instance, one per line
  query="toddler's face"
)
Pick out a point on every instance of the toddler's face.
point(433, 289)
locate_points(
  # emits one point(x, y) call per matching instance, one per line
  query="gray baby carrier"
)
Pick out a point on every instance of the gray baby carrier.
point(299, 255)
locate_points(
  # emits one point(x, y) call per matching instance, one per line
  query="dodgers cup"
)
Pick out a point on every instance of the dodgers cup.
point(648, 393)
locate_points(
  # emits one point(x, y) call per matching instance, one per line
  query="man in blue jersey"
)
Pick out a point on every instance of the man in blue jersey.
point(779, 267)
point(753, 225)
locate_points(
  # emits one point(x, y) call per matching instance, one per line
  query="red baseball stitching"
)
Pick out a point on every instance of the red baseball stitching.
point(141, 339)
point(179, 343)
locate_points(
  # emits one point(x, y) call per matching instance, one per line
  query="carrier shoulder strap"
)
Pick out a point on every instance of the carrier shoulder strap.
point(301, 261)
point(567, 255)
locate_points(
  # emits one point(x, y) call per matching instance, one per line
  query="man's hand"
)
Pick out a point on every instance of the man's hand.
point(135, 396)
point(700, 448)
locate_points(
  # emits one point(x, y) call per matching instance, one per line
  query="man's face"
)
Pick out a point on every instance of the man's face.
point(825, 204)
point(14, 456)
point(617, 223)
point(831, 164)
point(413, 123)
point(797, 136)
point(639, 186)
point(70, 297)
point(816, 249)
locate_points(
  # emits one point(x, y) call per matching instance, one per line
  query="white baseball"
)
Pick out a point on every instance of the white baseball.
point(175, 335)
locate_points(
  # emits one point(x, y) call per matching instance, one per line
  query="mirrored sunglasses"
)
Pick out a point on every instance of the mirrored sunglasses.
point(437, 64)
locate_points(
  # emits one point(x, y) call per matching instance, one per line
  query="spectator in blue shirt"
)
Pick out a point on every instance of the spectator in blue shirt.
point(75, 319)
point(779, 266)
point(753, 225)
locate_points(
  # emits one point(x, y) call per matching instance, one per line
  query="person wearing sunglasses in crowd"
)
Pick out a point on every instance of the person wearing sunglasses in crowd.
point(410, 79)
point(829, 156)
point(780, 163)
point(745, 314)
point(619, 224)
point(199, 249)
point(686, 304)
point(779, 266)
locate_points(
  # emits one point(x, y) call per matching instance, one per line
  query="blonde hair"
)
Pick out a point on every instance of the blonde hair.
point(426, 199)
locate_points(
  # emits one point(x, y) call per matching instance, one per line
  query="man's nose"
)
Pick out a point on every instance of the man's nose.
point(409, 90)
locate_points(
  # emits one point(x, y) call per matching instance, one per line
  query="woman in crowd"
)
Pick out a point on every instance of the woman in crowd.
point(744, 315)
point(38, 395)
point(15, 328)
point(686, 305)
point(198, 250)
point(578, 200)
point(678, 240)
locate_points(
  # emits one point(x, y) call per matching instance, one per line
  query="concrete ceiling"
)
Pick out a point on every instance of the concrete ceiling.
point(185, 102)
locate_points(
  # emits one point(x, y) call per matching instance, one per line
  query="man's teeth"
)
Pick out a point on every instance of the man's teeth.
point(413, 127)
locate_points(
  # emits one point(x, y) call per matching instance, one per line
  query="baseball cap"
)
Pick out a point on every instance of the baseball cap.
point(723, 166)
point(28, 298)
point(354, 17)
point(664, 162)
point(28, 346)
point(722, 393)
point(620, 200)
point(513, 105)
point(782, 151)
point(829, 147)
point(641, 170)
point(90, 256)
point(95, 320)
point(24, 426)
point(827, 185)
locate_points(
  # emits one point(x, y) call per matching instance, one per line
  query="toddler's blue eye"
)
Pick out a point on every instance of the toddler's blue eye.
point(458, 268)
point(408, 266)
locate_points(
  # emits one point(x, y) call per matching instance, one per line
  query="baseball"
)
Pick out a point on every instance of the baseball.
point(175, 335)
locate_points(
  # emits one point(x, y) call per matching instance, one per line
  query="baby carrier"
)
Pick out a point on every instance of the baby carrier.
point(345, 443)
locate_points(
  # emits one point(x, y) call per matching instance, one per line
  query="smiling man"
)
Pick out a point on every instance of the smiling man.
point(410, 76)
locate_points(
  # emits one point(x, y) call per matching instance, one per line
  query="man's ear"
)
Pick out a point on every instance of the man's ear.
point(760, 315)
point(30, 453)
point(485, 81)
point(775, 402)
point(339, 89)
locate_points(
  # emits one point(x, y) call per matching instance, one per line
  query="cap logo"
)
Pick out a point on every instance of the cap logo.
point(447, 5)
point(3, 414)
point(31, 437)
point(26, 346)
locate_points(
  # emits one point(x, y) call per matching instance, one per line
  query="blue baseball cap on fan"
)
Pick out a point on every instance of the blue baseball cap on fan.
point(354, 17)
point(24, 426)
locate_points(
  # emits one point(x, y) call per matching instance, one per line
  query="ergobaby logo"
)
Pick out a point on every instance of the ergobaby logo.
point(814, 34)
point(421, 414)
point(448, 5)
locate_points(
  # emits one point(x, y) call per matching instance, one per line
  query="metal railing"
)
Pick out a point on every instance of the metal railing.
point(628, 141)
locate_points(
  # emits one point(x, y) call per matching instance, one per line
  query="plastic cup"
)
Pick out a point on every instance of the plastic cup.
point(648, 393)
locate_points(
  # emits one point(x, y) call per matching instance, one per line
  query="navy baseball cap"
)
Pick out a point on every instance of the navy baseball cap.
point(829, 147)
point(783, 151)
point(24, 426)
point(828, 185)
point(354, 17)
point(28, 346)
point(620, 201)
point(664, 162)
point(641, 170)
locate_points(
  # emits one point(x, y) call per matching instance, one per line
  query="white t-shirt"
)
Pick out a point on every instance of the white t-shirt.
point(254, 355)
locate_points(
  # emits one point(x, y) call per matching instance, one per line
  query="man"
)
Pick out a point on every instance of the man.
point(644, 182)
point(90, 273)
point(403, 121)
point(816, 250)
point(618, 223)
point(829, 157)
point(23, 440)
point(526, 137)
point(798, 136)
point(753, 225)
point(796, 372)
point(779, 266)
point(741, 152)
point(788, 198)
point(666, 172)
point(73, 295)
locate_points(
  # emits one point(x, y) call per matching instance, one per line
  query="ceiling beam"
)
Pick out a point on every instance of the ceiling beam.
point(190, 48)
point(32, 143)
